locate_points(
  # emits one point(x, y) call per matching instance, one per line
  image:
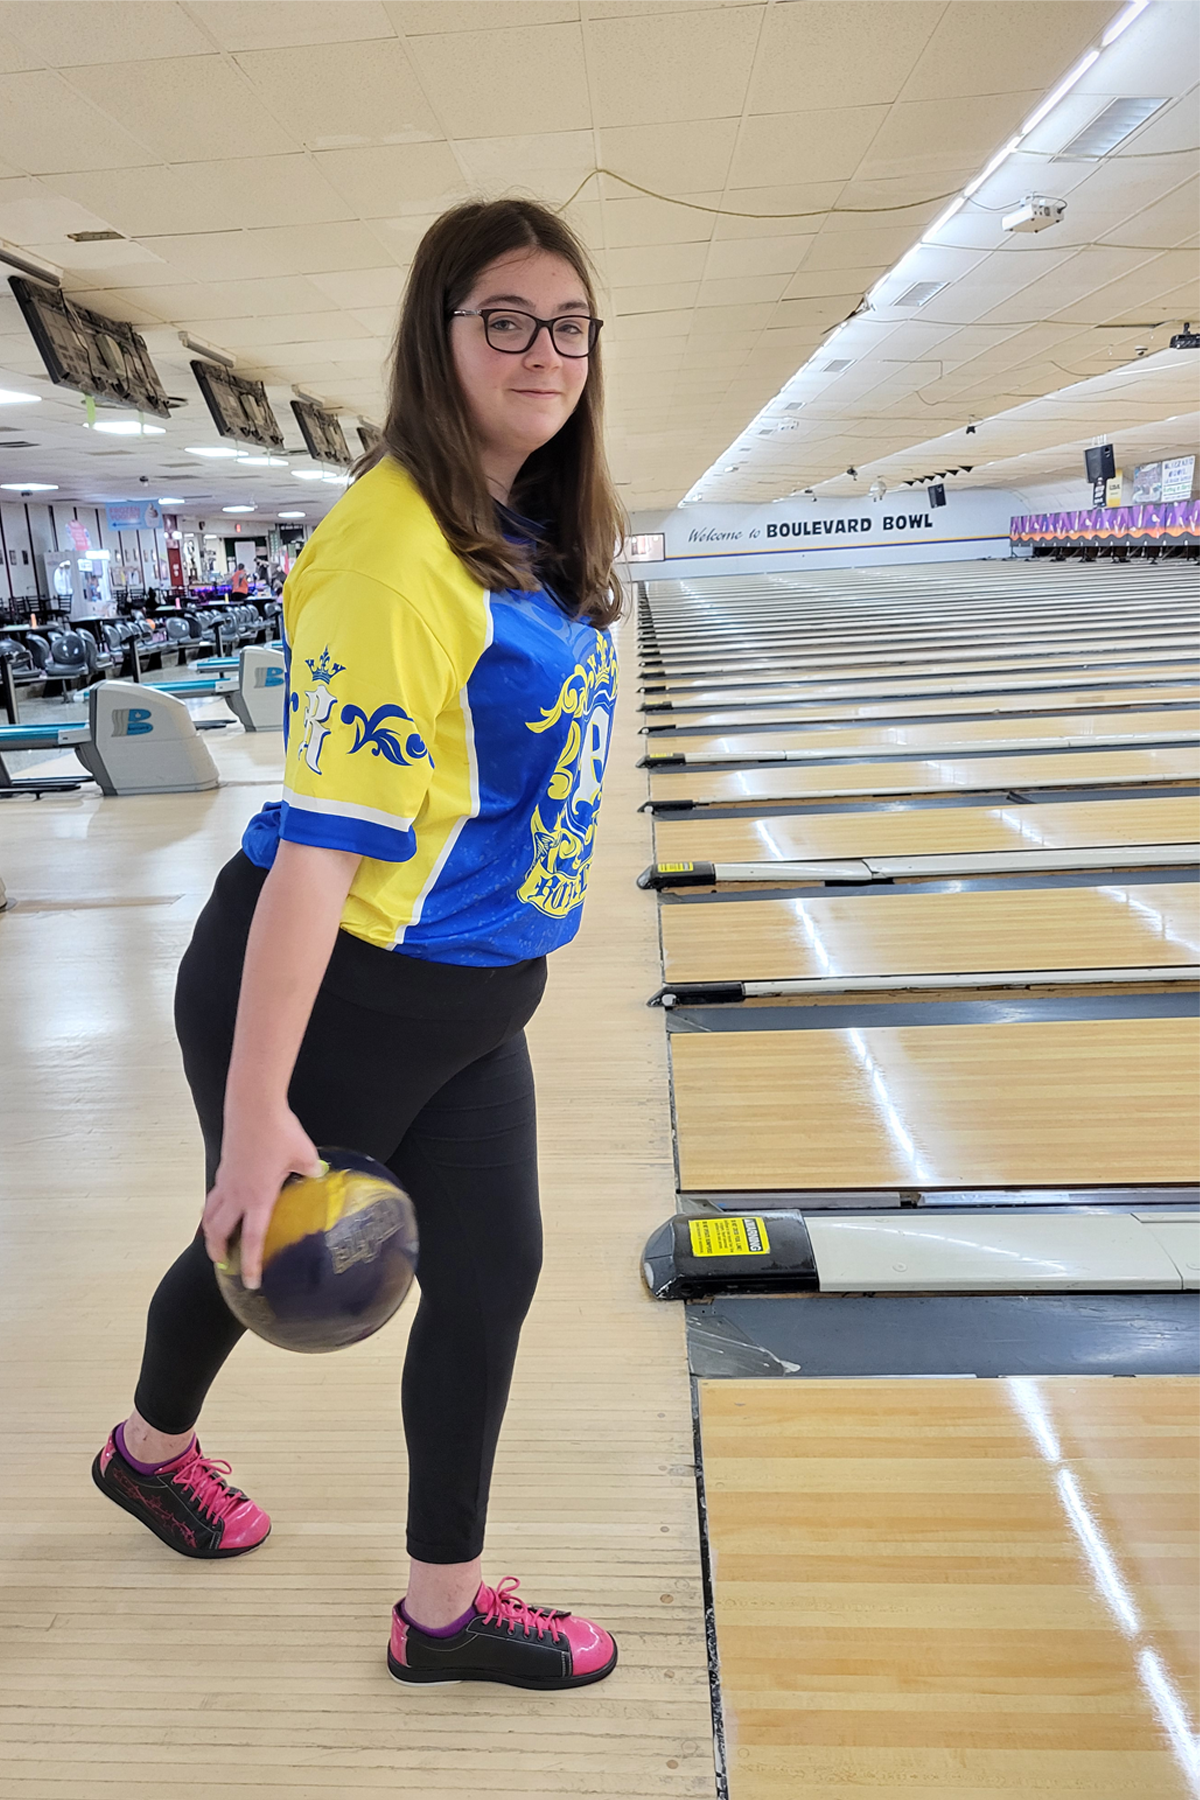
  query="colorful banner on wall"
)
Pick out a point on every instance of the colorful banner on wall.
point(1163, 524)
point(133, 515)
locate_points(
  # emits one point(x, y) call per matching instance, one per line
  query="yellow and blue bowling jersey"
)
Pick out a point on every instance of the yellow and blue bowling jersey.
point(455, 738)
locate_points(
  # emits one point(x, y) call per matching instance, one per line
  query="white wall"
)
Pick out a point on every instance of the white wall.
point(802, 534)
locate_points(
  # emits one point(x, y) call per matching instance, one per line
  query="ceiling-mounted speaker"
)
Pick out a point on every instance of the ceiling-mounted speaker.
point(1100, 462)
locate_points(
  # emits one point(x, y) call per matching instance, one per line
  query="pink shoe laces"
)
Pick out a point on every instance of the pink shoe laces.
point(500, 1606)
point(204, 1479)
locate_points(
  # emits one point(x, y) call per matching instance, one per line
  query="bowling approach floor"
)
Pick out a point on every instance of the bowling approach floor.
point(125, 1670)
point(924, 1581)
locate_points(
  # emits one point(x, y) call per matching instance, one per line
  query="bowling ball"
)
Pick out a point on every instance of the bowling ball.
point(339, 1257)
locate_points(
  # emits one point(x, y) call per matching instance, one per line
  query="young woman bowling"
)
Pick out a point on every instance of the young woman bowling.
point(365, 967)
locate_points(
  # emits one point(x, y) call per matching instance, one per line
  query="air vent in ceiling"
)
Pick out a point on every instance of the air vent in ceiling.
point(837, 365)
point(17, 444)
point(1109, 128)
point(920, 292)
point(96, 237)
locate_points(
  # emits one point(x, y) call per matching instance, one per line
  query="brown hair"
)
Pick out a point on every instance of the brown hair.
point(565, 485)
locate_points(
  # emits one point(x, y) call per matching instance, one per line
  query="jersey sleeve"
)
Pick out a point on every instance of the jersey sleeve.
point(366, 683)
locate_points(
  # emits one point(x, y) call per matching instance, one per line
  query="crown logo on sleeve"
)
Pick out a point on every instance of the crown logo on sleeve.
point(323, 669)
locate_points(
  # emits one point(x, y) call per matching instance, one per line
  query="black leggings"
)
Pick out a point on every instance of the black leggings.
point(423, 1066)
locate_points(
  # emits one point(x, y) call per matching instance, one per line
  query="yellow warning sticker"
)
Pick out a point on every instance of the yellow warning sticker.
point(674, 868)
point(729, 1237)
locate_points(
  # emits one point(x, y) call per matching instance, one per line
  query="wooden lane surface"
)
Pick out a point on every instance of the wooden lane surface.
point(1063, 701)
point(719, 689)
point(1092, 768)
point(944, 737)
point(883, 662)
point(913, 1584)
point(770, 634)
point(129, 1672)
point(1047, 825)
point(1118, 679)
point(1002, 644)
point(1047, 1104)
point(1122, 925)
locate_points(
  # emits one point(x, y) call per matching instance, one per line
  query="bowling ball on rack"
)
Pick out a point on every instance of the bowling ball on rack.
point(339, 1257)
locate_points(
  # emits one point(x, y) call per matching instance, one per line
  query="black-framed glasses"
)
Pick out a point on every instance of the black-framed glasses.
point(572, 334)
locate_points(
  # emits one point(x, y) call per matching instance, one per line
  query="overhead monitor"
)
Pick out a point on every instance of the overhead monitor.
point(1100, 462)
point(322, 433)
point(937, 494)
point(104, 358)
point(368, 435)
point(240, 408)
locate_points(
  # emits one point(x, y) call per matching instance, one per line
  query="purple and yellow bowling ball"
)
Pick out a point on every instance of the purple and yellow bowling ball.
point(339, 1257)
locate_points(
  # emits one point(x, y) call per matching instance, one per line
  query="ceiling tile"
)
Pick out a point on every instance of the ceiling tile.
point(381, 182)
point(362, 287)
point(281, 332)
point(148, 96)
point(45, 127)
point(267, 25)
point(669, 66)
point(1001, 45)
point(637, 221)
point(668, 296)
point(870, 48)
point(743, 290)
point(280, 191)
point(670, 158)
point(336, 96)
point(821, 146)
point(755, 256)
point(186, 302)
point(271, 252)
point(66, 35)
point(950, 139)
point(551, 165)
point(654, 262)
point(420, 17)
point(482, 82)
point(871, 251)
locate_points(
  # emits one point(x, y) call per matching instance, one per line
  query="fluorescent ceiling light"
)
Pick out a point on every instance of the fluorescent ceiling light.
point(126, 428)
point(262, 462)
point(973, 187)
point(308, 474)
point(1109, 128)
point(209, 351)
point(237, 509)
point(211, 450)
point(16, 258)
point(944, 218)
point(837, 365)
point(293, 515)
point(1122, 21)
point(1064, 87)
point(9, 397)
point(171, 500)
point(29, 487)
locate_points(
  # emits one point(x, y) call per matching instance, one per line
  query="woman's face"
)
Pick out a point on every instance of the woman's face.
point(517, 403)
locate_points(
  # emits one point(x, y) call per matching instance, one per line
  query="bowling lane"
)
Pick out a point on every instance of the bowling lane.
point(1119, 925)
point(899, 707)
point(902, 687)
point(768, 636)
point(1050, 825)
point(1073, 1103)
point(752, 788)
point(728, 669)
point(1129, 728)
point(1015, 1619)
